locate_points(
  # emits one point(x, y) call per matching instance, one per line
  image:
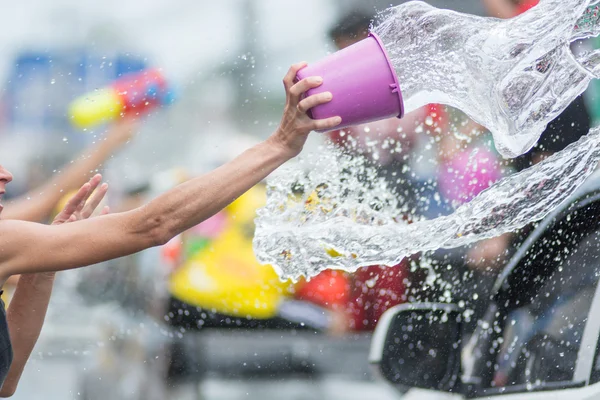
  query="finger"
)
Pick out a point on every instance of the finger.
point(313, 101)
point(93, 203)
point(290, 77)
point(80, 206)
point(325, 124)
point(105, 210)
point(301, 87)
point(74, 201)
point(94, 182)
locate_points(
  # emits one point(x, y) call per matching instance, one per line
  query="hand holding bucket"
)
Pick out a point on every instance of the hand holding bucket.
point(362, 80)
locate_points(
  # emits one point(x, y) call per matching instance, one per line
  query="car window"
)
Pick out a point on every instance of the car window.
point(542, 336)
point(595, 375)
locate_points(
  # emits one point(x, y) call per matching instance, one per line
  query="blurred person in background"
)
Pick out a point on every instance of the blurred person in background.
point(39, 250)
point(212, 287)
point(20, 326)
point(470, 272)
point(388, 146)
point(467, 164)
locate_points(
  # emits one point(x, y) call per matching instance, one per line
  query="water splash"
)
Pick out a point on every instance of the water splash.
point(512, 76)
point(342, 216)
point(588, 25)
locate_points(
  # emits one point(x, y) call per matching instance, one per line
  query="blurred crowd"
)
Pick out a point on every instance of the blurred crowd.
point(435, 159)
point(208, 278)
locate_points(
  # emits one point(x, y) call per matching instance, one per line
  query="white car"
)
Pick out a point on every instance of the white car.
point(539, 338)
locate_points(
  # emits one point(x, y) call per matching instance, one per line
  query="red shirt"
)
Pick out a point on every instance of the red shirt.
point(375, 290)
point(526, 5)
point(369, 292)
point(364, 296)
point(400, 130)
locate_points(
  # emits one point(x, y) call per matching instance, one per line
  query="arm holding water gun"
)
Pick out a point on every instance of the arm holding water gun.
point(117, 103)
point(121, 102)
point(38, 204)
point(36, 248)
point(176, 211)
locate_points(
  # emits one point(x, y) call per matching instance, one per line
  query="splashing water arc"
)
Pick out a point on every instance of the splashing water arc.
point(346, 217)
point(512, 76)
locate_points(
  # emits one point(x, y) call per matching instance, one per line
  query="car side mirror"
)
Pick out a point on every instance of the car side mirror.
point(419, 346)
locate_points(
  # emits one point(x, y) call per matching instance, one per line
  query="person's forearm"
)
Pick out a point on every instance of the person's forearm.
point(23, 243)
point(198, 199)
point(25, 317)
point(112, 236)
point(500, 8)
point(38, 204)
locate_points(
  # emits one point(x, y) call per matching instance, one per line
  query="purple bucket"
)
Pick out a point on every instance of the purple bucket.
point(362, 80)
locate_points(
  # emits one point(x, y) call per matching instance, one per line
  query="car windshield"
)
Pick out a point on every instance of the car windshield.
point(541, 338)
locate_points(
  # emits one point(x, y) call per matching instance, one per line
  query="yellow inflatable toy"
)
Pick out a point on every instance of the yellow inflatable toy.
point(225, 276)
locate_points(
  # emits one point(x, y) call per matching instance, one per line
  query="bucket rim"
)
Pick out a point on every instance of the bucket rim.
point(392, 71)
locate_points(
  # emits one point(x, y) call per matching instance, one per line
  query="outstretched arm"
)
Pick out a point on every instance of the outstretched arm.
point(27, 309)
point(38, 204)
point(23, 244)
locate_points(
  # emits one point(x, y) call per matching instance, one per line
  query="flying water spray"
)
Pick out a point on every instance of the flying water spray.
point(345, 217)
point(512, 76)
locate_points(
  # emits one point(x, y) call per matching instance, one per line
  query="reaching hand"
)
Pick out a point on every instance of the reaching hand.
point(296, 124)
point(78, 207)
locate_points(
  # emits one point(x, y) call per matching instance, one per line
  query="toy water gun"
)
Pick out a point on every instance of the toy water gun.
point(133, 94)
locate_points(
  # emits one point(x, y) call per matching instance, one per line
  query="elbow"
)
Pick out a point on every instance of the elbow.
point(158, 229)
point(160, 236)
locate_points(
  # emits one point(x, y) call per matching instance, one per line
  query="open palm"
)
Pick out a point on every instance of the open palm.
point(83, 204)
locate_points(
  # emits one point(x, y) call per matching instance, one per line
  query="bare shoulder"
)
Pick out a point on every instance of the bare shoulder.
point(17, 239)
